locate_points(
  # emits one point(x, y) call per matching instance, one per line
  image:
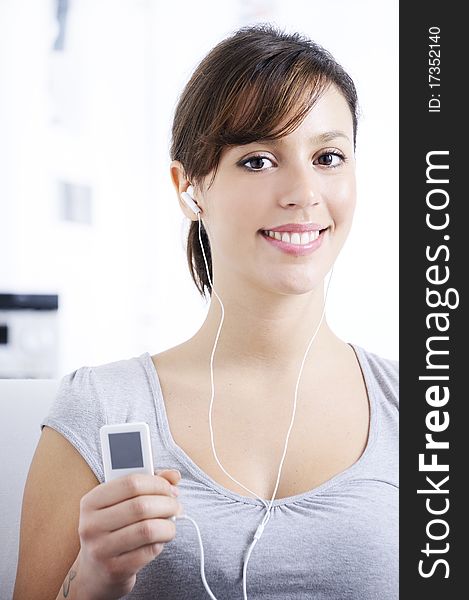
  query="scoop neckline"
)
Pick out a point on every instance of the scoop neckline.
point(201, 475)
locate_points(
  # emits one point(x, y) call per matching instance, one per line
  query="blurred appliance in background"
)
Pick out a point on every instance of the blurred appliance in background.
point(28, 336)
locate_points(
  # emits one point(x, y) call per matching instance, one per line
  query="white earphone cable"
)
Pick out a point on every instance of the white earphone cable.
point(260, 529)
point(268, 506)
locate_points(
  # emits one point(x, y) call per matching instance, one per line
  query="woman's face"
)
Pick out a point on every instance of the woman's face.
point(307, 177)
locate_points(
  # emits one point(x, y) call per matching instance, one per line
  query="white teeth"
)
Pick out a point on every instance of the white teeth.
point(293, 237)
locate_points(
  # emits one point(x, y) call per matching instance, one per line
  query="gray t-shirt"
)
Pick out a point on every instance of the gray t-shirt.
point(338, 541)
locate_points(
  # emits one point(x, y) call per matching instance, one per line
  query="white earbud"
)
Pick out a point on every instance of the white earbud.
point(189, 200)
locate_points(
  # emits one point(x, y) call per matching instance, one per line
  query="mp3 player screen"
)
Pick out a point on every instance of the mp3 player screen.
point(126, 450)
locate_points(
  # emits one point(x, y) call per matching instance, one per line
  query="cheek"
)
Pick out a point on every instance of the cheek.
point(240, 213)
point(342, 200)
point(231, 221)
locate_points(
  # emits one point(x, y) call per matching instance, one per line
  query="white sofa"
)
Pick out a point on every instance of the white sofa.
point(23, 404)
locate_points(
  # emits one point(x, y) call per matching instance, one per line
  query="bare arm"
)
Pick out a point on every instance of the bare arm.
point(70, 585)
point(49, 544)
point(85, 541)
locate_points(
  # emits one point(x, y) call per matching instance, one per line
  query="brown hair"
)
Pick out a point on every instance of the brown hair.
point(243, 90)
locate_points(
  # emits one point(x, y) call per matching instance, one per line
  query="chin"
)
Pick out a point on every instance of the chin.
point(298, 285)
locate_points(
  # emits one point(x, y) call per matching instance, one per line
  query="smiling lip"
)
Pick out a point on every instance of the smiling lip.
point(295, 227)
point(295, 249)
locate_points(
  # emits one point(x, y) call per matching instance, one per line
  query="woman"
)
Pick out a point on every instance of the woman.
point(296, 439)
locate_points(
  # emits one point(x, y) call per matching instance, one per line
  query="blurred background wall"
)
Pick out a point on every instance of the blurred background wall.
point(87, 209)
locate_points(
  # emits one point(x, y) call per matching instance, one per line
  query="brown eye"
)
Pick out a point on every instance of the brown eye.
point(325, 159)
point(330, 159)
point(256, 163)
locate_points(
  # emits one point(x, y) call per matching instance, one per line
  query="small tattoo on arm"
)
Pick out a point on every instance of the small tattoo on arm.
point(66, 588)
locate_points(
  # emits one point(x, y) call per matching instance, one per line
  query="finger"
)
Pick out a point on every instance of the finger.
point(123, 488)
point(133, 561)
point(172, 475)
point(134, 510)
point(149, 531)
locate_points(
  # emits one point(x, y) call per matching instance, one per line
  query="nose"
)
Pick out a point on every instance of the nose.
point(301, 188)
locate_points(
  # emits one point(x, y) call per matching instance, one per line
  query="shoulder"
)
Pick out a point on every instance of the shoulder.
point(94, 385)
point(384, 371)
point(92, 396)
point(383, 367)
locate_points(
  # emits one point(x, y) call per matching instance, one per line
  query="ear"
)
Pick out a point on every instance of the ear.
point(181, 184)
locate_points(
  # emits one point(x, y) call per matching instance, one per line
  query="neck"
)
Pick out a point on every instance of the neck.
point(262, 332)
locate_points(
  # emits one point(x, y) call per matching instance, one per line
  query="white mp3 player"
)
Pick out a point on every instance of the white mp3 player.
point(126, 449)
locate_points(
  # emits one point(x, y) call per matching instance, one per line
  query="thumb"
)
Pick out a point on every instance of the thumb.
point(172, 475)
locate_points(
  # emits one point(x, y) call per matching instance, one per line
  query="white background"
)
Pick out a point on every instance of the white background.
point(99, 114)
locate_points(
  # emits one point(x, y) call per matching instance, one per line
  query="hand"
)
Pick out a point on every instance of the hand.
point(123, 526)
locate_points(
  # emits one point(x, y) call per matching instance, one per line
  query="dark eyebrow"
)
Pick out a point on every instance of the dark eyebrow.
point(321, 138)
